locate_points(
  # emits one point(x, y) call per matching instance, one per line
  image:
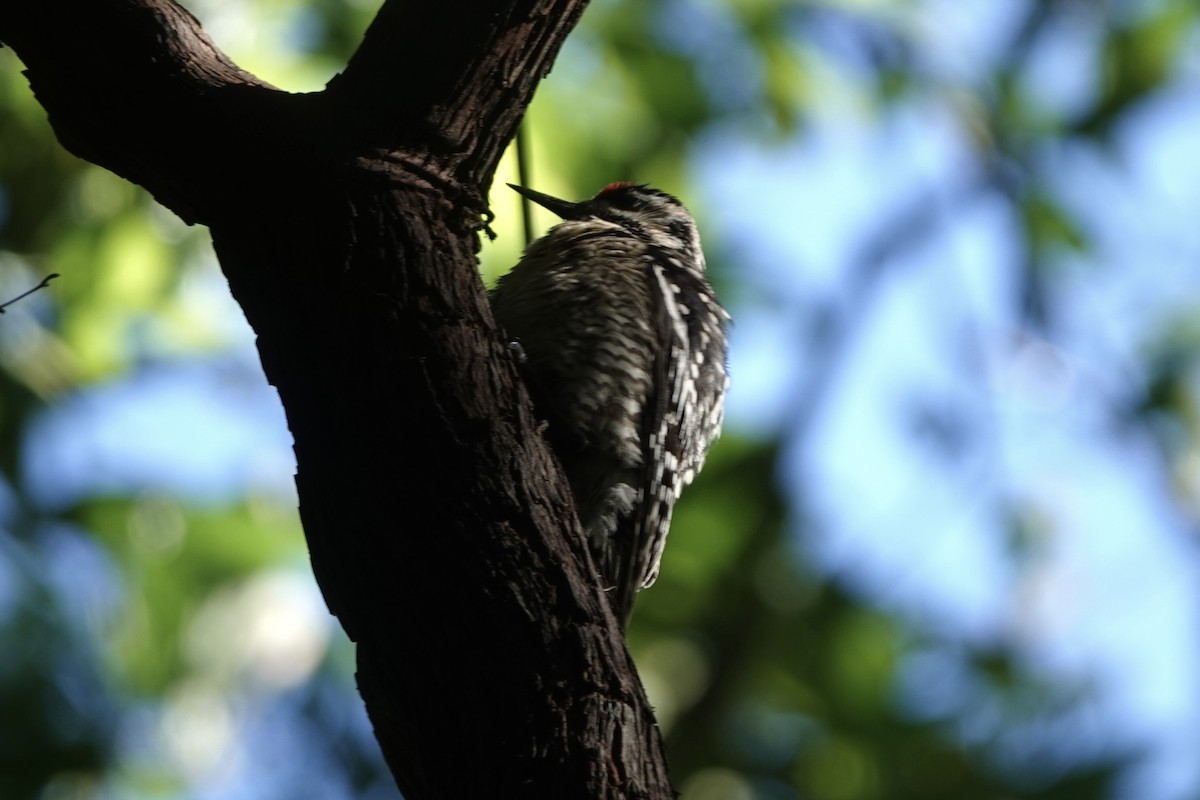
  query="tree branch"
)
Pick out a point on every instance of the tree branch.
point(441, 530)
point(95, 66)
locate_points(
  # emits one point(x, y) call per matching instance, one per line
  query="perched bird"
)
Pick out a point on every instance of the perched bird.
point(622, 344)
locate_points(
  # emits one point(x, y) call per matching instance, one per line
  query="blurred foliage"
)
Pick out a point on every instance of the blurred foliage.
point(141, 660)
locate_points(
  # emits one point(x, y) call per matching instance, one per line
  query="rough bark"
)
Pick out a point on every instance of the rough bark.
point(441, 530)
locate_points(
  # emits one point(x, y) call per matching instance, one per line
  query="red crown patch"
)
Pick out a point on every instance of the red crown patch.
point(612, 187)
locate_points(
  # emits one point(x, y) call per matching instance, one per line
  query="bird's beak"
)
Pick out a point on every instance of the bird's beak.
point(564, 208)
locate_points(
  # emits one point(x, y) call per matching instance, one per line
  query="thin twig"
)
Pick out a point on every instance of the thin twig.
point(45, 282)
point(523, 179)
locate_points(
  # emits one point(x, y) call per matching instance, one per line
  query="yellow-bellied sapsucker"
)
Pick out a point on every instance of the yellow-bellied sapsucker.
point(622, 345)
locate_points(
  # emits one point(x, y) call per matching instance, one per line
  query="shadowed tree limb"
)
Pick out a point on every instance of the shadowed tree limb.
point(441, 530)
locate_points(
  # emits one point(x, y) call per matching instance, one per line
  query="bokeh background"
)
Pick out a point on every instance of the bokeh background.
point(947, 547)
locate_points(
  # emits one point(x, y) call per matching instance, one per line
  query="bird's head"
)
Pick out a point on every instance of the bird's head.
point(641, 209)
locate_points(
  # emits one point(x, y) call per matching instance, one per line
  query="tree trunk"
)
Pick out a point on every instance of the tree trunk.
point(441, 530)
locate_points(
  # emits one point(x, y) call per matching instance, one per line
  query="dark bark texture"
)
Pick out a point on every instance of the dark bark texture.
point(441, 530)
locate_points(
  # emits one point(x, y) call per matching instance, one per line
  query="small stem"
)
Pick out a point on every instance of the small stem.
point(45, 282)
point(523, 179)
